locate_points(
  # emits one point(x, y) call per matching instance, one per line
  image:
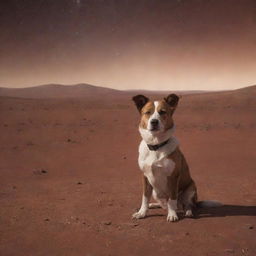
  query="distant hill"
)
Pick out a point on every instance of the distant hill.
point(88, 91)
point(237, 99)
point(151, 92)
point(58, 91)
point(76, 91)
point(248, 89)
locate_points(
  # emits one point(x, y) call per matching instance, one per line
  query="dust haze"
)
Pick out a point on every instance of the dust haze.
point(157, 45)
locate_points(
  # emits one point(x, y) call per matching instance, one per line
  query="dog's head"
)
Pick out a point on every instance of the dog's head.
point(156, 116)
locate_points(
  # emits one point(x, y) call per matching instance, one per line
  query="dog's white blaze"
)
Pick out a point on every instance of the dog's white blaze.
point(155, 115)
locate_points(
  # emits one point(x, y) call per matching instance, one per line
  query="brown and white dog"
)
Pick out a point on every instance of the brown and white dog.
point(165, 170)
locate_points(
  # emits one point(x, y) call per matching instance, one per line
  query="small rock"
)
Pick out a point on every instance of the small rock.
point(107, 223)
point(249, 226)
point(245, 250)
point(68, 140)
point(46, 219)
point(131, 224)
point(229, 250)
point(43, 171)
point(79, 183)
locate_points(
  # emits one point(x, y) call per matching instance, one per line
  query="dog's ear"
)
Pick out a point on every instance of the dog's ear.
point(140, 101)
point(172, 100)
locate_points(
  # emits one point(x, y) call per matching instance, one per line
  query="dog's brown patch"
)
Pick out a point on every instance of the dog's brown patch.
point(165, 112)
point(180, 182)
point(146, 113)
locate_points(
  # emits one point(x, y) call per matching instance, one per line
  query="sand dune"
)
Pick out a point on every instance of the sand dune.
point(77, 91)
point(85, 90)
point(69, 177)
point(57, 91)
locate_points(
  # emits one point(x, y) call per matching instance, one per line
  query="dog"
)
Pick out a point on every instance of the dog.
point(165, 171)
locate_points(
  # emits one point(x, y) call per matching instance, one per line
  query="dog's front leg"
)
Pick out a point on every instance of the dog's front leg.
point(147, 192)
point(173, 196)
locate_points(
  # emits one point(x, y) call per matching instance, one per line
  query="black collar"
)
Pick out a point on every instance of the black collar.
point(157, 146)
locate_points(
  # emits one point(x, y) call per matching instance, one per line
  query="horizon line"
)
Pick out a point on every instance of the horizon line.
point(126, 90)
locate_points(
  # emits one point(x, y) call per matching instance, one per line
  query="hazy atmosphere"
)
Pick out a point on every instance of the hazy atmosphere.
point(127, 44)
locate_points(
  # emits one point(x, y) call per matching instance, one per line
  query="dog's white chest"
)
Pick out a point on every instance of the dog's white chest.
point(156, 167)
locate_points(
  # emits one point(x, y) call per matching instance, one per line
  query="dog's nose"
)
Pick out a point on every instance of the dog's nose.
point(154, 122)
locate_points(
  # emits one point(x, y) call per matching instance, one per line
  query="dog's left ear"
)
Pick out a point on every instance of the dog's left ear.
point(140, 101)
point(172, 100)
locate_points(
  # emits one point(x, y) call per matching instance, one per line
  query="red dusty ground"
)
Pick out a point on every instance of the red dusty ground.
point(70, 181)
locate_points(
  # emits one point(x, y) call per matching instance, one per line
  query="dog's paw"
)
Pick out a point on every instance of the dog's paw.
point(154, 206)
point(139, 215)
point(189, 214)
point(172, 217)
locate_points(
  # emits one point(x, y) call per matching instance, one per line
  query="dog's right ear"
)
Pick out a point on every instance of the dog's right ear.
point(140, 101)
point(172, 100)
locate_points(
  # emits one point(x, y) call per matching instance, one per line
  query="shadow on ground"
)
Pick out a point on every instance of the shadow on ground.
point(226, 210)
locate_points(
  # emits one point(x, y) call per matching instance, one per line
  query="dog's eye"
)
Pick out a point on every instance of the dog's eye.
point(162, 112)
point(147, 113)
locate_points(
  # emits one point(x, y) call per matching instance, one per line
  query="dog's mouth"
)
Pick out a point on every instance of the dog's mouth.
point(154, 128)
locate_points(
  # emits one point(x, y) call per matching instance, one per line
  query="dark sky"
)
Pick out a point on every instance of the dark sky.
point(150, 44)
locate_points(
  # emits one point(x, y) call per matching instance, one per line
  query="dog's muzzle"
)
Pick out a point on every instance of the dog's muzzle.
point(154, 125)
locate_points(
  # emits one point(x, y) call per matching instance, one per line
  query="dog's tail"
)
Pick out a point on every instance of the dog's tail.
point(208, 204)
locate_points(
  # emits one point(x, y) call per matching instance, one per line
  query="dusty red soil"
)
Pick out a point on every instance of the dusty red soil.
point(70, 182)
